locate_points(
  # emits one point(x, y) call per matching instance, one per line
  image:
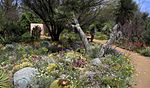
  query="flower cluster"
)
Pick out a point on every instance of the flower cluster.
point(61, 83)
point(79, 63)
point(51, 67)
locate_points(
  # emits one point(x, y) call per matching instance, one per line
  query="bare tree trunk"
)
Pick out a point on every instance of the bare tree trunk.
point(82, 36)
point(113, 36)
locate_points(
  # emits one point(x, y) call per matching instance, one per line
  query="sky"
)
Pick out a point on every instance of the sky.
point(144, 5)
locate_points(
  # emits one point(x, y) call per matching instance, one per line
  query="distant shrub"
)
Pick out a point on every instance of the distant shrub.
point(95, 51)
point(26, 37)
point(69, 35)
point(145, 52)
point(146, 37)
point(101, 36)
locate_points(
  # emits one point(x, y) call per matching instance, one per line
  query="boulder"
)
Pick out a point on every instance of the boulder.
point(9, 47)
point(24, 77)
point(96, 62)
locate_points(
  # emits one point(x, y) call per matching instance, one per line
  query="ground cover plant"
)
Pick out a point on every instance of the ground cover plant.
point(63, 49)
point(75, 69)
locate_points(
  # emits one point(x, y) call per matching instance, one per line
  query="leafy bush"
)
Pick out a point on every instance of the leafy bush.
point(101, 36)
point(10, 32)
point(69, 35)
point(145, 52)
point(146, 36)
point(26, 37)
point(95, 51)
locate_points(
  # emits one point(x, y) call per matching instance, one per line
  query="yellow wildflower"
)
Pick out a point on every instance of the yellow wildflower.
point(51, 67)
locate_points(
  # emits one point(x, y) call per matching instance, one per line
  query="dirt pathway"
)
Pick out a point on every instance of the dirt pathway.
point(142, 66)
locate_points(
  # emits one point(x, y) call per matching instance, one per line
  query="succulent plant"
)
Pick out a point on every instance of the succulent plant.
point(51, 67)
point(61, 83)
point(79, 63)
point(4, 79)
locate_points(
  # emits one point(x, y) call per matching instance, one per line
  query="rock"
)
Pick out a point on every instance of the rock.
point(9, 47)
point(90, 74)
point(24, 77)
point(96, 61)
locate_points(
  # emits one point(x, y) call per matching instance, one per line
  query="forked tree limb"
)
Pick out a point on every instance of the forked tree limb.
point(113, 36)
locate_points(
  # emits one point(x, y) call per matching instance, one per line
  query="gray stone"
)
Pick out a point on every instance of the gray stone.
point(24, 77)
point(90, 74)
point(96, 61)
point(9, 47)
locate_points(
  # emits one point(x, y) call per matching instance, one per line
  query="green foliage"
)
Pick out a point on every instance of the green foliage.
point(145, 52)
point(114, 71)
point(101, 36)
point(69, 35)
point(57, 14)
point(4, 79)
point(119, 72)
point(11, 32)
point(125, 11)
point(26, 37)
point(95, 50)
point(146, 36)
point(26, 19)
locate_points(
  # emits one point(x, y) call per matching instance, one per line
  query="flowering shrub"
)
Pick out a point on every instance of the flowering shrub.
point(79, 63)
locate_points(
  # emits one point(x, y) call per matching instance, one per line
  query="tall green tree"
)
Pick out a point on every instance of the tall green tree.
point(125, 11)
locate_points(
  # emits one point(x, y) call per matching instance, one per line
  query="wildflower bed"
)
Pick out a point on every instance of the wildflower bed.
point(69, 69)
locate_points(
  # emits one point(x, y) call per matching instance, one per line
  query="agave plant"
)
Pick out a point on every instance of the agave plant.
point(4, 79)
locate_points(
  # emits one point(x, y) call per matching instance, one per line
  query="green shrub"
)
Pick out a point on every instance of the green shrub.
point(146, 36)
point(69, 35)
point(26, 37)
point(95, 50)
point(145, 52)
point(101, 36)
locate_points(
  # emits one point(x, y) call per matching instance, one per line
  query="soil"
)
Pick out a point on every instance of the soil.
point(141, 64)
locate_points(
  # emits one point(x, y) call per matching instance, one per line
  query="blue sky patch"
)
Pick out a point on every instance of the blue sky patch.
point(144, 5)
